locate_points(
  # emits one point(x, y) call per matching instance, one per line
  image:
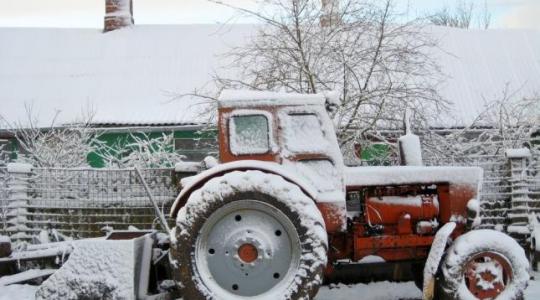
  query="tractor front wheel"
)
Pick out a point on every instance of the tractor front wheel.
point(484, 264)
point(249, 234)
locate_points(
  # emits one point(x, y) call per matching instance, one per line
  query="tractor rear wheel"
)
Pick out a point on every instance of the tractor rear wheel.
point(249, 234)
point(484, 264)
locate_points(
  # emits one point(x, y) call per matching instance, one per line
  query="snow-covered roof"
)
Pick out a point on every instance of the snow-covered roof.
point(241, 98)
point(131, 76)
point(128, 76)
point(479, 65)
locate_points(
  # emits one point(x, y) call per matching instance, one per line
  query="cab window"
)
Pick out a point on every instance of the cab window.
point(303, 133)
point(249, 134)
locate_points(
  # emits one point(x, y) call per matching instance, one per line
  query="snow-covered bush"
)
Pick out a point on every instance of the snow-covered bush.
point(57, 145)
point(141, 150)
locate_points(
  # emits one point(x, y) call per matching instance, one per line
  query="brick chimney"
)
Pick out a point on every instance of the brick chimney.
point(329, 15)
point(118, 14)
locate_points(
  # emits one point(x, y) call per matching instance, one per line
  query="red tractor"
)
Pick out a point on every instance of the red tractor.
point(281, 214)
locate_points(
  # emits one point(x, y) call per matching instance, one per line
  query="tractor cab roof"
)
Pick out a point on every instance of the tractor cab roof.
point(247, 98)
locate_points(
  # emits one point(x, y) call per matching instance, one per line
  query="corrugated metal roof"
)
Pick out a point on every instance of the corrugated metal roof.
point(130, 76)
point(482, 63)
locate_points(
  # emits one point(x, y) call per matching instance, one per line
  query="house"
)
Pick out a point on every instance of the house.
point(130, 76)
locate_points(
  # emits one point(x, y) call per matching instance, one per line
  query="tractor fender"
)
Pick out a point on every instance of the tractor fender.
point(199, 180)
point(434, 258)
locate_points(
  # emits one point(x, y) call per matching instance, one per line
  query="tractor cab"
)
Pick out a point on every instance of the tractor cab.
point(292, 130)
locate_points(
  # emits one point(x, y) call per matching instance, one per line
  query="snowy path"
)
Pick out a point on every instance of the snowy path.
point(372, 291)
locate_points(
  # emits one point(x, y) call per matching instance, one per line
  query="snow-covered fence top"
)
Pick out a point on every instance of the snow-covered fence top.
point(80, 202)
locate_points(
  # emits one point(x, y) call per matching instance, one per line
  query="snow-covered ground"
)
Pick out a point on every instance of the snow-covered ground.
point(372, 291)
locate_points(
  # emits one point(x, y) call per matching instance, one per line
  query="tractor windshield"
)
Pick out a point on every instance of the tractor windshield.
point(303, 133)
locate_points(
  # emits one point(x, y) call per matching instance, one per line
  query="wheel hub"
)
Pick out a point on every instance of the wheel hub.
point(247, 248)
point(487, 275)
point(248, 253)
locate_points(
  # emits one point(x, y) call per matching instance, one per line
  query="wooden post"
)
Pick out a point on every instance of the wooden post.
point(520, 207)
point(17, 215)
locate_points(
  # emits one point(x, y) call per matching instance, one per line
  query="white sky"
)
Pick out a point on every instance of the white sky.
point(89, 13)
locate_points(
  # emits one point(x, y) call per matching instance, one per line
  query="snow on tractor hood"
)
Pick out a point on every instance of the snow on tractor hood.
point(198, 180)
point(373, 176)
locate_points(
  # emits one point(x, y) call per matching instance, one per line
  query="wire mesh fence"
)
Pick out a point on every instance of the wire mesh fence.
point(83, 202)
point(3, 199)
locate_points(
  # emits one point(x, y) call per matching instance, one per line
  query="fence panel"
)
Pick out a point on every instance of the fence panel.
point(81, 202)
point(3, 200)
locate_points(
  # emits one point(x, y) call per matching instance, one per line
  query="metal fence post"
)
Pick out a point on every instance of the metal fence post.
point(17, 202)
point(520, 202)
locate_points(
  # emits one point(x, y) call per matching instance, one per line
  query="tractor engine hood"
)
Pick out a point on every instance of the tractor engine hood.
point(404, 175)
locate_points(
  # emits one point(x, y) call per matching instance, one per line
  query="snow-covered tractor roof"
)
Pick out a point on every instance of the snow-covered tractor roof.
point(247, 98)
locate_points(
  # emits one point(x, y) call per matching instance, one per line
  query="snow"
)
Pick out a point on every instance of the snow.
point(4, 239)
point(95, 269)
point(19, 168)
point(60, 249)
point(187, 167)
point(17, 291)
point(369, 176)
point(192, 182)
point(302, 133)
point(518, 153)
point(127, 76)
point(370, 291)
point(243, 98)
point(24, 276)
point(474, 206)
point(518, 229)
point(371, 259)
point(436, 253)
point(411, 151)
point(210, 162)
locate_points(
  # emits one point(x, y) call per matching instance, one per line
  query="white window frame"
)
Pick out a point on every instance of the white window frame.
point(251, 112)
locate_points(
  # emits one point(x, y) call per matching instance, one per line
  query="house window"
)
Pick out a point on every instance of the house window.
point(249, 134)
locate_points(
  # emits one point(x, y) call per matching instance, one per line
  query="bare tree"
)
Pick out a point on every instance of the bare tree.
point(56, 145)
point(141, 150)
point(462, 15)
point(379, 65)
point(507, 122)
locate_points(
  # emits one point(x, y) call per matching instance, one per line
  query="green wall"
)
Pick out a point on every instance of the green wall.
point(125, 138)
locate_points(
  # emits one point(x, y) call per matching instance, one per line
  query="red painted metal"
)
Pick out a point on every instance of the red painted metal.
point(332, 215)
point(481, 281)
point(248, 253)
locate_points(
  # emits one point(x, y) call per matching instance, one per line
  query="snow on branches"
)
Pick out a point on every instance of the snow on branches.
point(505, 123)
point(141, 150)
point(380, 66)
point(65, 145)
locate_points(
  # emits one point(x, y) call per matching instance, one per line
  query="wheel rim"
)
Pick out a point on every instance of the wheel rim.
point(487, 274)
point(247, 248)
